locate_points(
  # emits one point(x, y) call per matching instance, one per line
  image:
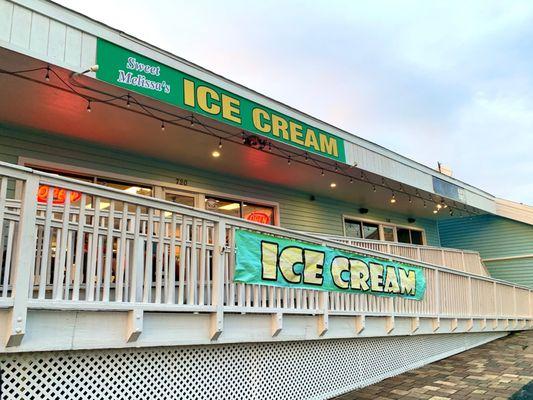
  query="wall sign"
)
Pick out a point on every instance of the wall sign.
point(269, 260)
point(137, 73)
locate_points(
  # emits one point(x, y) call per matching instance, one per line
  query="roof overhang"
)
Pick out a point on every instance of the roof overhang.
point(72, 46)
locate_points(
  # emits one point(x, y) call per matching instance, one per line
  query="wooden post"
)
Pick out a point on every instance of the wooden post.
point(323, 319)
point(470, 298)
point(360, 323)
point(219, 258)
point(23, 262)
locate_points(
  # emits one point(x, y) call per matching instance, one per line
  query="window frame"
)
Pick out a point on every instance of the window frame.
point(159, 188)
point(382, 225)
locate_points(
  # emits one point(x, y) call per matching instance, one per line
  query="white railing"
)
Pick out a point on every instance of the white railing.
point(461, 260)
point(103, 249)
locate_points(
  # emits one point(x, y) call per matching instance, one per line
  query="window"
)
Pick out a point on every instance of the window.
point(363, 229)
point(240, 209)
point(180, 199)
point(126, 187)
point(412, 236)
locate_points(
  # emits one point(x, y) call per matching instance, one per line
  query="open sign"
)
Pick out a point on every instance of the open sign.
point(58, 197)
point(259, 216)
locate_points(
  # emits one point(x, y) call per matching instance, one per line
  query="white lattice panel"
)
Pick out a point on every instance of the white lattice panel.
point(288, 370)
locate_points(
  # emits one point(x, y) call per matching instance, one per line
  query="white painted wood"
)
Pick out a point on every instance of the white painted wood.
point(21, 26)
point(62, 250)
point(134, 325)
point(6, 18)
point(217, 318)
point(109, 250)
point(323, 318)
point(93, 252)
point(46, 243)
point(73, 47)
point(24, 261)
point(147, 292)
point(277, 323)
point(56, 40)
point(40, 27)
point(415, 324)
point(80, 235)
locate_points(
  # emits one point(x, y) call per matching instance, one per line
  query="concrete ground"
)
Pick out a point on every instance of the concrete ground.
point(495, 371)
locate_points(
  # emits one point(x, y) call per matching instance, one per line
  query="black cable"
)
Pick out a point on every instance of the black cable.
point(286, 154)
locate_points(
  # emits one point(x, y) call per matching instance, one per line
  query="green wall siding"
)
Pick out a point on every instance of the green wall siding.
point(493, 237)
point(297, 211)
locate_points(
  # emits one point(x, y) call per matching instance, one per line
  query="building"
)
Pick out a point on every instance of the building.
point(165, 230)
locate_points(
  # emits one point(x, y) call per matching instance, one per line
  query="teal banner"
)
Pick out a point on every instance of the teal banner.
point(136, 73)
point(268, 260)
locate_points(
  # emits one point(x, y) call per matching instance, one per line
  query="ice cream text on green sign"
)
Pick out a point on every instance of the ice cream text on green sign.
point(210, 101)
point(151, 78)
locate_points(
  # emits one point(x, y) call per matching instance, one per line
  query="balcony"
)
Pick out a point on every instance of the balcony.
point(85, 259)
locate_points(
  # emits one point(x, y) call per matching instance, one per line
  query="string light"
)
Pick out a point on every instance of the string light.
point(333, 185)
point(441, 205)
point(243, 137)
point(435, 211)
point(219, 143)
point(393, 198)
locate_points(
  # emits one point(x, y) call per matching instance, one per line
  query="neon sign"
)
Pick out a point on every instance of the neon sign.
point(58, 196)
point(259, 216)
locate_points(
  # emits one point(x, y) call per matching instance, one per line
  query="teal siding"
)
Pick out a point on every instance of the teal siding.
point(297, 211)
point(517, 271)
point(493, 237)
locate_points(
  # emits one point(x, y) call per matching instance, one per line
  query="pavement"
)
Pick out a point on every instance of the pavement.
point(501, 369)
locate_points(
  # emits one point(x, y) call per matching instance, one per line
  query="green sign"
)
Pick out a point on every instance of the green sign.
point(269, 260)
point(136, 73)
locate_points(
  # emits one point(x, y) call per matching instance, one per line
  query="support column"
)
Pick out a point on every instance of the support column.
point(23, 262)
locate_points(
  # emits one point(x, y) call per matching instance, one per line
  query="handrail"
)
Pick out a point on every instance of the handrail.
point(408, 245)
point(419, 249)
point(137, 251)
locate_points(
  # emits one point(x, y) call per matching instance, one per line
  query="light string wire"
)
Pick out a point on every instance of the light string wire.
point(168, 118)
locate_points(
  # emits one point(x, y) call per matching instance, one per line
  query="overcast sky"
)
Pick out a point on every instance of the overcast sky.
point(448, 81)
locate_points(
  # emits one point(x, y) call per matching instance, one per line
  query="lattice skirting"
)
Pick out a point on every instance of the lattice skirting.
point(280, 370)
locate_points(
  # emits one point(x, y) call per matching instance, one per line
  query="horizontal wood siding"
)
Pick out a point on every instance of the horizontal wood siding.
point(494, 237)
point(297, 211)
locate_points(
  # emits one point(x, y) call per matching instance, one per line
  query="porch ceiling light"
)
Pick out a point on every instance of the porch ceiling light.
point(333, 185)
point(215, 153)
point(393, 198)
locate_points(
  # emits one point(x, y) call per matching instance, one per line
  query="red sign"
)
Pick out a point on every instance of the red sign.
point(259, 216)
point(58, 197)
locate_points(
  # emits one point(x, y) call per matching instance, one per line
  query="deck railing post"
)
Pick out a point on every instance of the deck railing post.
point(23, 261)
point(470, 298)
point(515, 306)
point(495, 294)
point(219, 258)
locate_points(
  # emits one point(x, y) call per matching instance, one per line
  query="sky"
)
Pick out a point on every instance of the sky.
point(448, 81)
